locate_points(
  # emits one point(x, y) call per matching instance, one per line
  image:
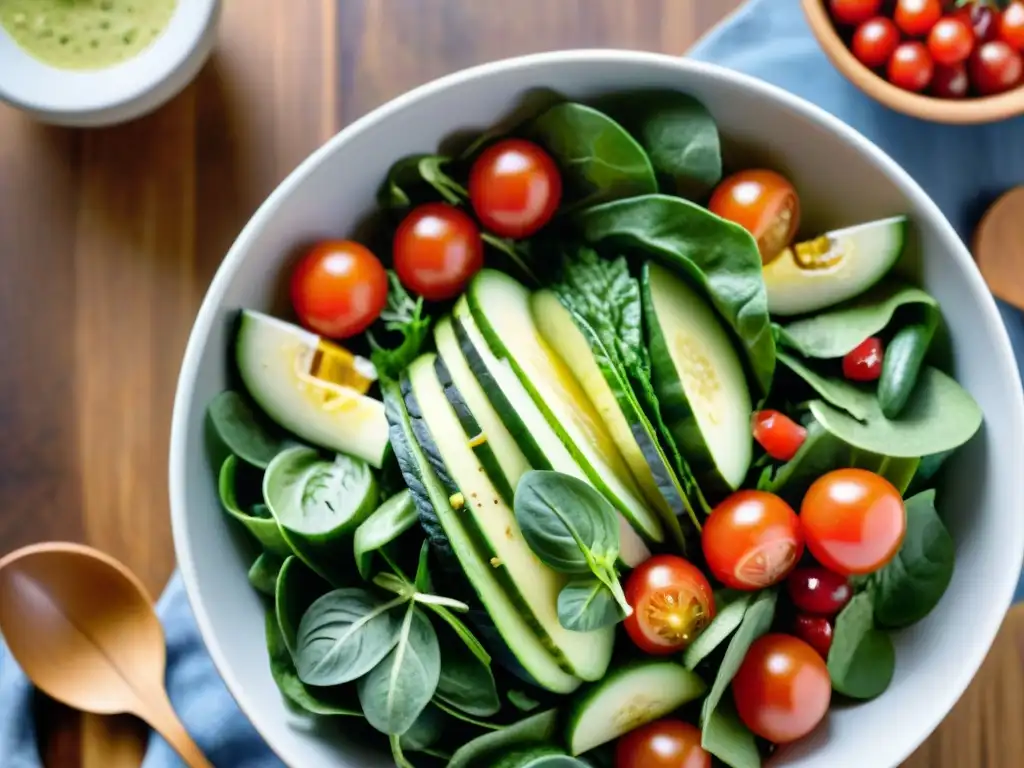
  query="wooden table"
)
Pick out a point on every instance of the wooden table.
point(108, 239)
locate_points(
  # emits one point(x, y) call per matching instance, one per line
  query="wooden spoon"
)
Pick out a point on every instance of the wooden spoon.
point(83, 629)
point(999, 247)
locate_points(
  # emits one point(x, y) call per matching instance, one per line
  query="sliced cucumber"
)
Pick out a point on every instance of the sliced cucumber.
point(630, 696)
point(528, 583)
point(517, 635)
point(524, 421)
point(699, 379)
point(501, 307)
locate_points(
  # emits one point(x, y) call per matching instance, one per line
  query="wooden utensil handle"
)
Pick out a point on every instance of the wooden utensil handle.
point(164, 720)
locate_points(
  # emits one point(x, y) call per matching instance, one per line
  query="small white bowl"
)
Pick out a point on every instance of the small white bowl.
point(116, 94)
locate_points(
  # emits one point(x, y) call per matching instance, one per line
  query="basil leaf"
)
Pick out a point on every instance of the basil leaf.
point(719, 257)
point(264, 572)
point(565, 521)
point(911, 585)
point(862, 660)
point(343, 635)
point(521, 700)
point(465, 682)
point(399, 688)
point(389, 521)
point(426, 731)
point(727, 620)
point(587, 604)
point(839, 392)
point(537, 728)
point(298, 587)
point(244, 429)
point(725, 736)
point(840, 330)
point(405, 317)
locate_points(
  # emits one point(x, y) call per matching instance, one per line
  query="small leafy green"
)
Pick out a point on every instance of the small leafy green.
point(911, 585)
point(419, 178)
point(424, 582)
point(837, 391)
point(731, 610)
point(927, 471)
point(466, 683)
point(403, 316)
point(298, 587)
point(389, 521)
point(862, 659)
point(839, 330)
point(599, 160)
point(246, 431)
point(397, 690)
point(725, 736)
point(939, 416)
point(344, 634)
point(264, 529)
point(426, 731)
point(519, 253)
point(587, 604)
point(264, 571)
point(535, 729)
point(464, 717)
point(717, 256)
point(521, 700)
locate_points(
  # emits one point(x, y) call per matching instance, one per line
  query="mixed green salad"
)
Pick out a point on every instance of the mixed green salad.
point(606, 467)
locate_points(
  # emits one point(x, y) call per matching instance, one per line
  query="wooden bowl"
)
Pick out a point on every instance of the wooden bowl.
point(988, 109)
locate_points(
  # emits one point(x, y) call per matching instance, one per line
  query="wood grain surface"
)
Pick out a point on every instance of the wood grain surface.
point(108, 239)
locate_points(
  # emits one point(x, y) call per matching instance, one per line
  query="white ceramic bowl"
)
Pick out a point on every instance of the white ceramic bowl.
point(843, 179)
point(93, 98)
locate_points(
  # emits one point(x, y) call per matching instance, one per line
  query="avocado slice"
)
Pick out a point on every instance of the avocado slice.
point(837, 266)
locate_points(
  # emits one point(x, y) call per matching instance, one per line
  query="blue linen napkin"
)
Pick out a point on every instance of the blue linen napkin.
point(962, 168)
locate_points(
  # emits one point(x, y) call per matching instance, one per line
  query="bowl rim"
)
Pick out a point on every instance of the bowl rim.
point(207, 315)
point(985, 109)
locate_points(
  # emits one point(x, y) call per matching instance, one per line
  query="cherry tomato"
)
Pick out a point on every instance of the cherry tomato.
point(864, 362)
point(338, 288)
point(779, 435)
point(437, 250)
point(752, 540)
point(672, 604)
point(662, 744)
point(764, 203)
point(950, 41)
point(854, 521)
point(982, 19)
point(951, 82)
point(995, 67)
point(515, 188)
point(816, 631)
point(911, 67)
point(818, 591)
point(917, 17)
point(854, 11)
point(1011, 25)
point(874, 41)
point(782, 689)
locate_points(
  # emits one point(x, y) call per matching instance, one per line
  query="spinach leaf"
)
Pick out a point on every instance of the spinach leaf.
point(521, 700)
point(423, 581)
point(756, 622)
point(587, 604)
point(862, 659)
point(244, 429)
point(725, 736)
point(599, 160)
point(264, 529)
point(264, 571)
point(466, 683)
point(731, 611)
point(417, 179)
point(537, 728)
point(344, 634)
point(405, 317)
point(399, 688)
point(678, 134)
point(323, 701)
point(841, 393)
point(927, 471)
point(911, 585)
point(839, 330)
point(940, 415)
point(520, 253)
point(389, 521)
point(719, 257)
point(458, 714)
point(426, 731)
point(298, 587)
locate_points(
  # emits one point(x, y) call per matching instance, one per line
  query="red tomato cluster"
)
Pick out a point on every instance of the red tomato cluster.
point(952, 50)
point(339, 288)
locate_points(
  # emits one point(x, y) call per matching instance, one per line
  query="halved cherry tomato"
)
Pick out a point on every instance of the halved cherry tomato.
point(818, 591)
point(779, 435)
point(864, 363)
point(950, 41)
point(1011, 25)
point(816, 631)
point(854, 11)
point(874, 41)
point(338, 288)
point(672, 604)
point(515, 188)
point(911, 66)
point(752, 540)
point(764, 203)
point(782, 689)
point(982, 19)
point(437, 249)
point(662, 744)
point(995, 67)
point(854, 521)
point(917, 17)
point(951, 82)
